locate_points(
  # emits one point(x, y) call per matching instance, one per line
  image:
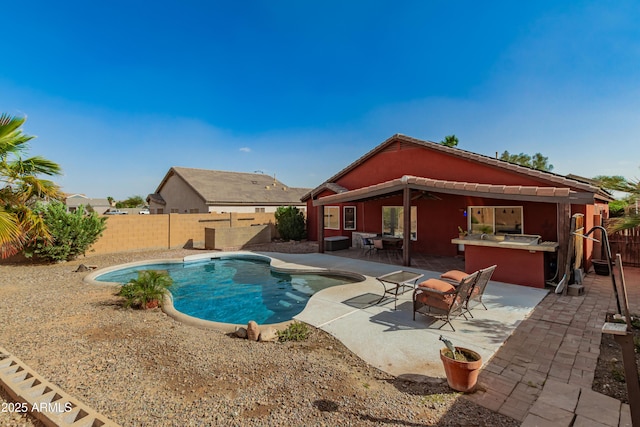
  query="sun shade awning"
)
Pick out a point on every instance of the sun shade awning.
point(493, 191)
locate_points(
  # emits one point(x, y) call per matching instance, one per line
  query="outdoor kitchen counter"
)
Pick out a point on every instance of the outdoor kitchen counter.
point(519, 263)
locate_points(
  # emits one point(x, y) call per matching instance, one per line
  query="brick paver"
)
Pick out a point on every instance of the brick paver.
point(544, 372)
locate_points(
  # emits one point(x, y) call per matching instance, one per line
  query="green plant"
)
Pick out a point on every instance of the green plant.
point(461, 231)
point(296, 331)
point(147, 290)
point(72, 233)
point(21, 186)
point(290, 223)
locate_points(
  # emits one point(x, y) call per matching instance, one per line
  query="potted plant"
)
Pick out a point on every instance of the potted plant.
point(461, 366)
point(147, 290)
point(461, 233)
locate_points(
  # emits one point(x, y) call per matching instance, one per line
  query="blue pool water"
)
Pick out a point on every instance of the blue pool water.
point(235, 290)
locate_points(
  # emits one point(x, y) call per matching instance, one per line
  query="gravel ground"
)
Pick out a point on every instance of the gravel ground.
point(142, 368)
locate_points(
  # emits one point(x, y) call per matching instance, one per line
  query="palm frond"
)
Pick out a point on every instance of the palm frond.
point(626, 222)
point(37, 165)
point(12, 235)
point(12, 140)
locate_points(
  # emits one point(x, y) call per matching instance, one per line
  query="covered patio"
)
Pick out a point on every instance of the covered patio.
point(424, 194)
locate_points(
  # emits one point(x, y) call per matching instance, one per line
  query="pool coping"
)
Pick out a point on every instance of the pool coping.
point(167, 302)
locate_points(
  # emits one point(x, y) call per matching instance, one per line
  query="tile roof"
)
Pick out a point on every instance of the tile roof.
point(552, 178)
point(510, 192)
point(237, 188)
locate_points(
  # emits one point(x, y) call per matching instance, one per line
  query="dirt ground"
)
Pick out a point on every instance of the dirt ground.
point(609, 376)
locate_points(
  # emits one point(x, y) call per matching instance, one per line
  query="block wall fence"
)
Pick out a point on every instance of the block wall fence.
point(172, 231)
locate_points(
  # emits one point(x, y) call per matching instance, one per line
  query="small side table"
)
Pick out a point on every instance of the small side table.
point(399, 280)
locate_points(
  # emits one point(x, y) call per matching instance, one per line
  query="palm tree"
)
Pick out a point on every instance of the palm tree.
point(450, 141)
point(631, 217)
point(21, 187)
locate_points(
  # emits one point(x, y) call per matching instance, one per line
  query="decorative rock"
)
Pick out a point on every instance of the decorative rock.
point(253, 331)
point(269, 334)
point(241, 332)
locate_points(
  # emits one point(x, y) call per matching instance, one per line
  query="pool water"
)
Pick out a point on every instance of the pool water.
point(234, 290)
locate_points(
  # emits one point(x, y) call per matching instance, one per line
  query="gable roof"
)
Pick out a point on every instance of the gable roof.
point(77, 200)
point(236, 188)
point(554, 179)
point(508, 192)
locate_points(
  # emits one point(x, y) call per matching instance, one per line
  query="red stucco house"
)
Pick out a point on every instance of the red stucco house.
point(439, 190)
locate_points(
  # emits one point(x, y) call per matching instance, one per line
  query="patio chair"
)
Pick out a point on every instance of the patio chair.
point(477, 291)
point(367, 245)
point(442, 300)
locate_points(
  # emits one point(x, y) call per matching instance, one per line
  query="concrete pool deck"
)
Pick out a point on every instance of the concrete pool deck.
point(390, 339)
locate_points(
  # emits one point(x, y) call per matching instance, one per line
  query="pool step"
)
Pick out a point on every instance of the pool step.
point(44, 400)
point(295, 297)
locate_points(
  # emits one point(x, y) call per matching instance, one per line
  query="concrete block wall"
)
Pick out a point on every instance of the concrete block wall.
point(235, 238)
point(132, 232)
point(168, 231)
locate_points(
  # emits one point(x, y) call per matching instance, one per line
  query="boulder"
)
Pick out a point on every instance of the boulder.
point(253, 331)
point(269, 335)
point(241, 332)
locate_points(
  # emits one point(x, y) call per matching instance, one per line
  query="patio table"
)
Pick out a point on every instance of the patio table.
point(398, 280)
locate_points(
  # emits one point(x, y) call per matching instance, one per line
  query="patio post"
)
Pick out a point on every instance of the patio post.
point(320, 228)
point(406, 234)
point(563, 230)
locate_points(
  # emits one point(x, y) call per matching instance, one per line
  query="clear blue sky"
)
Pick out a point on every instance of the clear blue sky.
point(118, 92)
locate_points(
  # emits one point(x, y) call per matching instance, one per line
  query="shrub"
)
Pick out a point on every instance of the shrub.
point(72, 233)
point(296, 331)
point(290, 223)
point(146, 290)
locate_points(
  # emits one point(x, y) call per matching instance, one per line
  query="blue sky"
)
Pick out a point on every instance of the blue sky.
point(118, 92)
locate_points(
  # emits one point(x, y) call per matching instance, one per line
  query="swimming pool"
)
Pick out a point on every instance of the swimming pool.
point(235, 289)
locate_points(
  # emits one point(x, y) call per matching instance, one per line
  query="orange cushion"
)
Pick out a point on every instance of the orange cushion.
point(455, 275)
point(438, 285)
point(435, 300)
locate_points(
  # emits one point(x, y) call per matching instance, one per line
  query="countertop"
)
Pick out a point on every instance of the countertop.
point(542, 247)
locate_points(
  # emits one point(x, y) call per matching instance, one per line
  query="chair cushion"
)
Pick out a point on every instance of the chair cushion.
point(455, 275)
point(438, 285)
point(434, 300)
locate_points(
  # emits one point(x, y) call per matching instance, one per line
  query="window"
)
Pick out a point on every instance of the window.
point(495, 219)
point(195, 210)
point(259, 210)
point(393, 221)
point(349, 218)
point(175, 210)
point(332, 217)
point(159, 211)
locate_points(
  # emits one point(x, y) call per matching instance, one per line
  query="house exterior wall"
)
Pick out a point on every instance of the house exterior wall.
point(180, 196)
point(250, 209)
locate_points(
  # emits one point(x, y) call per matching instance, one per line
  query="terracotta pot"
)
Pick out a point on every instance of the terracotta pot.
point(461, 376)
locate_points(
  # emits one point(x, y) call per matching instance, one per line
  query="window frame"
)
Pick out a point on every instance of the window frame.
point(327, 226)
point(345, 209)
point(414, 221)
point(470, 210)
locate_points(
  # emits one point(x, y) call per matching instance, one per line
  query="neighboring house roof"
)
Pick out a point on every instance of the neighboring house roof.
point(234, 188)
point(77, 200)
point(559, 180)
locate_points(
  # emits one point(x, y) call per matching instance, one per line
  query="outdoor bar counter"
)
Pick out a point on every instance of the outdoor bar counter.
point(521, 259)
